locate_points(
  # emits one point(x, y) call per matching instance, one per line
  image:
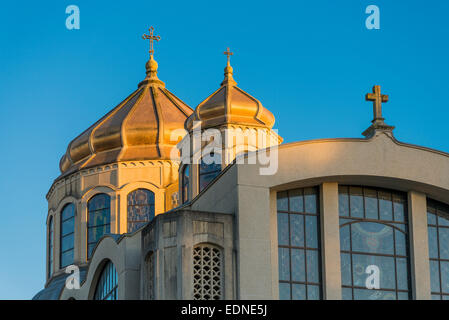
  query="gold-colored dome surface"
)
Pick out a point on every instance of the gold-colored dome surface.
point(139, 128)
point(230, 105)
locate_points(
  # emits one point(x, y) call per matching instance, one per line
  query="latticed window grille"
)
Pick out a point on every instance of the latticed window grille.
point(207, 273)
point(150, 274)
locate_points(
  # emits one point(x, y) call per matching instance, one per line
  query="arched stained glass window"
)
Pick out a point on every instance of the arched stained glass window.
point(438, 232)
point(67, 235)
point(208, 171)
point(373, 244)
point(99, 220)
point(207, 272)
point(140, 208)
point(185, 185)
point(107, 283)
point(299, 253)
point(50, 246)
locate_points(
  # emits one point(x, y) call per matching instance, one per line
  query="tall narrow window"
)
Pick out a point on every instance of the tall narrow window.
point(208, 171)
point(185, 183)
point(373, 244)
point(50, 246)
point(107, 284)
point(67, 240)
point(99, 220)
point(438, 231)
point(299, 246)
point(140, 208)
point(207, 272)
point(150, 276)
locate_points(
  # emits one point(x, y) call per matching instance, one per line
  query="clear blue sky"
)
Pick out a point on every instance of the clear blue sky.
point(309, 62)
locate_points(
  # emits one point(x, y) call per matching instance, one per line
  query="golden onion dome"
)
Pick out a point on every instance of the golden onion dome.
point(139, 128)
point(230, 105)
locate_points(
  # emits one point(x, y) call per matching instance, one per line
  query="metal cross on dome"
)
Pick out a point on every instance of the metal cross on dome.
point(151, 37)
point(228, 53)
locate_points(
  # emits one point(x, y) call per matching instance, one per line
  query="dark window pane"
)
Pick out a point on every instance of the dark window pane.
point(443, 234)
point(283, 229)
point(298, 265)
point(310, 200)
point(208, 172)
point(313, 292)
point(402, 272)
point(67, 242)
point(346, 293)
point(385, 206)
point(311, 232)
point(313, 266)
point(298, 292)
point(371, 209)
point(282, 201)
point(296, 200)
point(431, 218)
point(68, 226)
point(284, 264)
point(401, 243)
point(346, 269)
point(68, 212)
point(284, 291)
point(433, 242)
point(356, 202)
point(403, 296)
point(343, 201)
point(399, 211)
point(444, 265)
point(66, 258)
point(345, 240)
point(296, 230)
point(434, 276)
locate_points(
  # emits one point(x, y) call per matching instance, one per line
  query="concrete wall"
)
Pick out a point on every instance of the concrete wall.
point(380, 161)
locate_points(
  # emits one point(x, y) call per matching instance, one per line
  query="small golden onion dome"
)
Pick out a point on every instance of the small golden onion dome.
point(139, 128)
point(230, 105)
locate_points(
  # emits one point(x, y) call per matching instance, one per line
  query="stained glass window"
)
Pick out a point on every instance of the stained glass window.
point(50, 246)
point(185, 183)
point(299, 246)
point(374, 244)
point(140, 208)
point(99, 220)
point(438, 232)
point(208, 172)
point(107, 284)
point(67, 234)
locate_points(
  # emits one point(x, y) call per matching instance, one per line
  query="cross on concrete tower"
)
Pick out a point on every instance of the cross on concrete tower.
point(377, 98)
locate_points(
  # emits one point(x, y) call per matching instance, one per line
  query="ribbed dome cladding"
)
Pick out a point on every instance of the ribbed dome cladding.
point(139, 128)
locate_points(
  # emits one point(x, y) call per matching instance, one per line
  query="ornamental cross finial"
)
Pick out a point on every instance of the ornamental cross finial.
point(377, 98)
point(151, 37)
point(228, 53)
